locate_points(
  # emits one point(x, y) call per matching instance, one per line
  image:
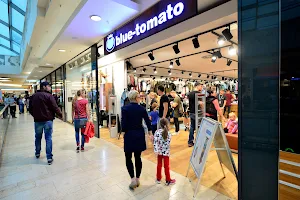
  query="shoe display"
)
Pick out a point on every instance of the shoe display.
point(50, 161)
point(171, 182)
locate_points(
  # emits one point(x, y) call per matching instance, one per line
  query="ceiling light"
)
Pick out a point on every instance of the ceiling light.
point(218, 54)
point(178, 62)
point(12, 85)
point(207, 76)
point(150, 55)
point(153, 78)
point(182, 72)
point(199, 75)
point(223, 78)
point(144, 70)
point(227, 34)
point(161, 77)
point(170, 72)
point(171, 64)
point(134, 70)
point(229, 62)
point(191, 75)
point(176, 49)
point(40, 71)
point(61, 50)
point(95, 18)
point(221, 41)
point(4, 78)
point(232, 51)
point(213, 58)
point(196, 43)
point(155, 71)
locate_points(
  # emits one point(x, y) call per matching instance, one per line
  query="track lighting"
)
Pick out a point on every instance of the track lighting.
point(199, 75)
point(170, 72)
point(171, 64)
point(150, 55)
point(207, 76)
point(144, 70)
point(196, 43)
point(232, 51)
point(182, 72)
point(161, 77)
point(212, 77)
point(134, 70)
point(213, 58)
point(221, 41)
point(166, 79)
point(178, 62)
point(153, 78)
point(223, 78)
point(176, 48)
point(155, 71)
point(191, 75)
point(218, 54)
point(227, 34)
point(229, 62)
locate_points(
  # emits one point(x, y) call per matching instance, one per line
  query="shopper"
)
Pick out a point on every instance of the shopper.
point(162, 141)
point(154, 117)
point(134, 135)
point(12, 105)
point(43, 108)
point(21, 104)
point(229, 99)
point(232, 124)
point(164, 103)
point(153, 99)
point(178, 110)
point(192, 108)
point(80, 114)
point(212, 106)
point(222, 99)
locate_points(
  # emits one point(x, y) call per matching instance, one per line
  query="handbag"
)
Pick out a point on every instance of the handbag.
point(81, 123)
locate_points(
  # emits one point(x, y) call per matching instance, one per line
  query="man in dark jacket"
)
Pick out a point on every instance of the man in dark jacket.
point(43, 108)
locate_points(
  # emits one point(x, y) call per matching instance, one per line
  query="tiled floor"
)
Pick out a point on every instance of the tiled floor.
point(97, 173)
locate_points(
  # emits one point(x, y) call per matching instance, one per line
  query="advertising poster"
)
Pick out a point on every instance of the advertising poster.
point(202, 146)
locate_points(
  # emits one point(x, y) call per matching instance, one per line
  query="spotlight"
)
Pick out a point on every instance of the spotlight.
point(212, 77)
point(216, 78)
point(178, 62)
point(223, 78)
point(153, 78)
point(182, 72)
point(176, 49)
point(134, 70)
point(171, 64)
point(229, 62)
point(128, 64)
point(213, 58)
point(166, 79)
point(232, 51)
point(199, 75)
point(155, 71)
point(170, 72)
point(144, 70)
point(207, 76)
point(218, 54)
point(221, 41)
point(150, 55)
point(235, 81)
point(227, 34)
point(191, 75)
point(196, 43)
point(161, 77)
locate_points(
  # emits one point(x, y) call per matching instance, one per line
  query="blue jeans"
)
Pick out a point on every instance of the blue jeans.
point(47, 128)
point(192, 128)
point(76, 124)
point(21, 108)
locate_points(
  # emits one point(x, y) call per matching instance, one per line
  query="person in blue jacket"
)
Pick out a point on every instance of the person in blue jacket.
point(134, 135)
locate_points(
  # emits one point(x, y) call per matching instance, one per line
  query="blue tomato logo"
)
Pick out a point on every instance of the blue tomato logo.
point(110, 43)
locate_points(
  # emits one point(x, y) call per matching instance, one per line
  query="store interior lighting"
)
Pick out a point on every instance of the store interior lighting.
point(213, 58)
point(176, 48)
point(227, 34)
point(182, 72)
point(229, 62)
point(134, 70)
point(155, 71)
point(170, 72)
point(144, 70)
point(221, 41)
point(218, 54)
point(171, 65)
point(196, 43)
point(190, 74)
point(178, 62)
point(232, 51)
point(207, 76)
point(199, 75)
point(150, 55)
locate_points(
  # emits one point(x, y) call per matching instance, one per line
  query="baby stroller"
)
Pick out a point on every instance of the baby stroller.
point(186, 118)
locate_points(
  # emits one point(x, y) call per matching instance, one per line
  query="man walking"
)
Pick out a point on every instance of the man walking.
point(164, 103)
point(12, 105)
point(43, 108)
point(192, 108)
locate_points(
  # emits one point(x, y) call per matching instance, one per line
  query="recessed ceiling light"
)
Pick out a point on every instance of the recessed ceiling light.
point(4, 78)
point(95, 18)
point(61, 50)
point(40, 71)
point(35, 76)
point(48, 64)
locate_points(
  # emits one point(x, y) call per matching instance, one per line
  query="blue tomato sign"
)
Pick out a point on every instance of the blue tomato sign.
point(159, 17)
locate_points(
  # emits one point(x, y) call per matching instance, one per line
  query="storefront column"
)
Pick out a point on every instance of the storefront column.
point(95, 105)
point(64, 77)
point(259, 55)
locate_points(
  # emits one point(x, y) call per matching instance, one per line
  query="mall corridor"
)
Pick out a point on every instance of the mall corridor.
point(97, 173)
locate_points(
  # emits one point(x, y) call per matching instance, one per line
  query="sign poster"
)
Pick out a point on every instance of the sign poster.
point(202, 146)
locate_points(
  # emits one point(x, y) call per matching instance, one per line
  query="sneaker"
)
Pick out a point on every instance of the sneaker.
point(176, 133)
point(82, 149)
point(77, 149)
point(37, 155)
point(191, 144)
point(158, 182)
point(133, 185)
point(171, 182)
point(50, 161)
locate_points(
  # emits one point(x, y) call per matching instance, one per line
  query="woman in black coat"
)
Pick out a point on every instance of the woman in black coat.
point(134, 139)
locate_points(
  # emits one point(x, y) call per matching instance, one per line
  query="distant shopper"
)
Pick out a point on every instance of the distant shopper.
point(153, 99)
point(162, 141)
point(222, 99)
point(178, 110)
point(43, 108)
point(232, 124)
point(134, 135)
point(80, 114)
point(12, 105)
point(154, 117)
point(212, 105)
point(21, 104)
point(192, 108)
point(229, 100)
point(164, 103)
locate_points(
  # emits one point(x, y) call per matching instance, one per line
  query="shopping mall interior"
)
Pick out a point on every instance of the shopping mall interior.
point(109, 48)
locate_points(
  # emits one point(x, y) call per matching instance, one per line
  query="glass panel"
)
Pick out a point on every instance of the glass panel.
point(17, 20)
point(4, 51)
point(5, 42)
point(3, 11)
point(21, 4)
point(16, 37)
point(4, 30)
point(16, 47)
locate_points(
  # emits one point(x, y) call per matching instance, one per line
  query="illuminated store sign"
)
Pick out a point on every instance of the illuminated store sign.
point(157, 18)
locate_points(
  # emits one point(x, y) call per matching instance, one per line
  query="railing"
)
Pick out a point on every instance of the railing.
point(4, 120)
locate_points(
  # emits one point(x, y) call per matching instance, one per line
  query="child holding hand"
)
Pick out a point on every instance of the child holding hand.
point(162, 141)
point(154, 117)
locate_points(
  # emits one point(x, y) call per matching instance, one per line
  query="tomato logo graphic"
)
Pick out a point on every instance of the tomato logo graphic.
point(110, 43)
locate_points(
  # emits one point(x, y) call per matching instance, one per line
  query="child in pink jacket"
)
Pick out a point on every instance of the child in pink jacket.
point(232, 124)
